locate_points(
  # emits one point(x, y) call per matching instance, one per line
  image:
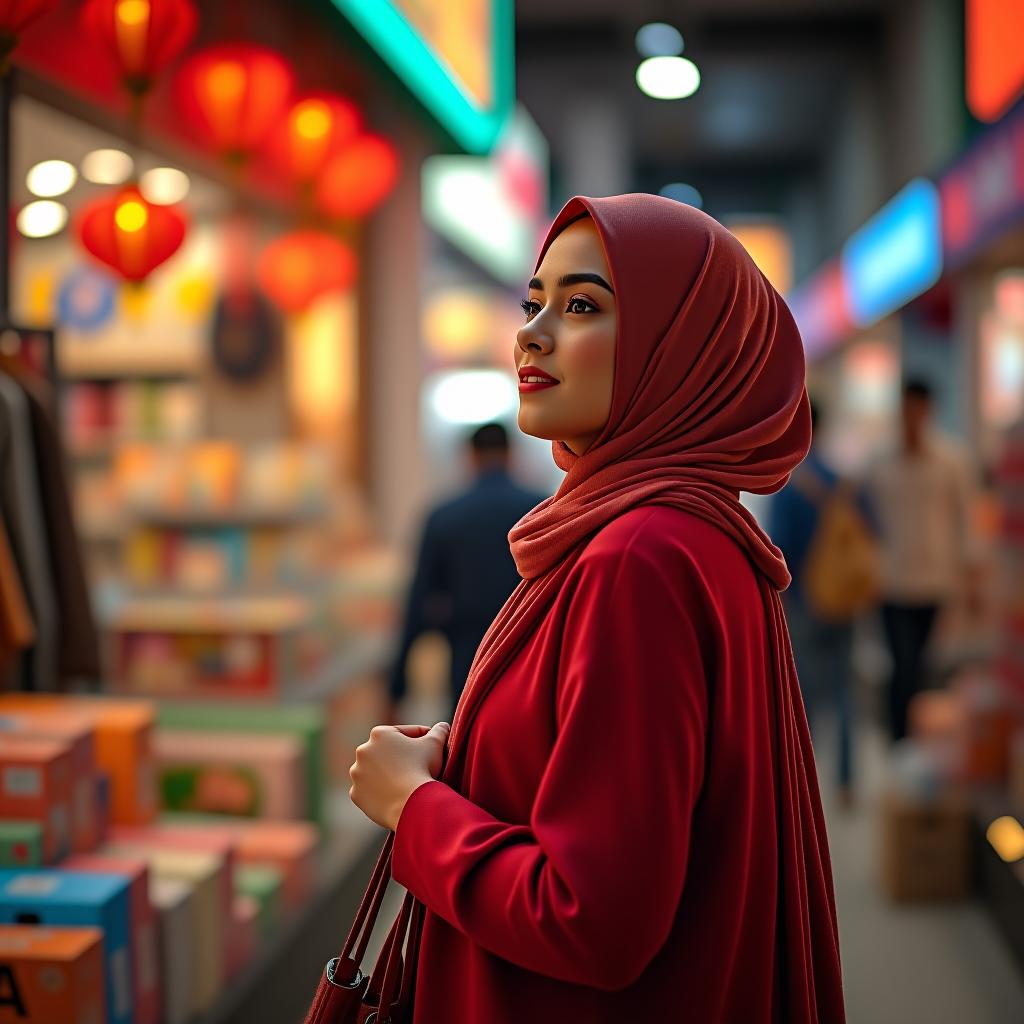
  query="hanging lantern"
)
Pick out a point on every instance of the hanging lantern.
point(129, 234)
point(141, 37)
point(233, 95)
point(358, 178)
point(15, 17)
point(303, 265)
point(314, 129)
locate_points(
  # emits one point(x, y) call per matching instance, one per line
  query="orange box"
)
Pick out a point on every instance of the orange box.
point(51, 974)
point(124, 732)
point(36, 785)
point(79, 732)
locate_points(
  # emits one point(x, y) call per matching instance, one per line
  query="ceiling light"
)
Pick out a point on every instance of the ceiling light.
point(51, 178)
point(164, 185)
point(107, 167)
point(668, 78)
point(683, 193)
point(41, 218)
point(659, 40)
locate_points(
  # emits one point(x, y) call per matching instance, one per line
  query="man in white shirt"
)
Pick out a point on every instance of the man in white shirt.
point(921, 496)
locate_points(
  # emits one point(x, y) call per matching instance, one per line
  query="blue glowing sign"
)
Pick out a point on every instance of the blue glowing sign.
point(896, 256)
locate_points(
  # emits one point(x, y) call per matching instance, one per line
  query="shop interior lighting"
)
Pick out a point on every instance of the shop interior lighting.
point(683, 193)
point(659, 40)
point(107, 167)
point(473, 396)
point(668, 78)
point(42, 218)
point(51, 178)
point(164, 185)
point(1006, 837)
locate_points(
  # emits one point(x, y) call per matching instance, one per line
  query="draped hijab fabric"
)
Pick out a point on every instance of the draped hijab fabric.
point(708, 400)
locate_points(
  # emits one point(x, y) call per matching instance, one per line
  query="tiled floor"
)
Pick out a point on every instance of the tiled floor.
point(922, 965)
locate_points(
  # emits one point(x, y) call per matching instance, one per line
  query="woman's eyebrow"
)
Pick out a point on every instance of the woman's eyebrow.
point(569, 279)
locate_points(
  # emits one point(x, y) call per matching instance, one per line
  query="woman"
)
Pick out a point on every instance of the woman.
point(628, 825)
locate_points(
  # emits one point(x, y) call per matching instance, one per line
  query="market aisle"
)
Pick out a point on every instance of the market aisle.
point(908, 965)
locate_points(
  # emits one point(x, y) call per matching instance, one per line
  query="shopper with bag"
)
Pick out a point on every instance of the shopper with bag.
point(626, 825)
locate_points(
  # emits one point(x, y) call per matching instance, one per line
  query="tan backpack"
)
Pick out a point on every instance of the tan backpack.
point(841, 576)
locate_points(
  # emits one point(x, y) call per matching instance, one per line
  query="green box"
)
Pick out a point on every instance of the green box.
point(305, 722)
point(263, 884)
point(21, 844)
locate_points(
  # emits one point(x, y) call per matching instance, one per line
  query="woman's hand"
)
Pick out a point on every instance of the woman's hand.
point(394, 761)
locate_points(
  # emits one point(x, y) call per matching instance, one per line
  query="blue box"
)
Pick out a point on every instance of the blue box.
point(79, 898)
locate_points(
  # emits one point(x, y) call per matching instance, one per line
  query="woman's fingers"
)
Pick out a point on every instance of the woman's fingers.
point(414, 731)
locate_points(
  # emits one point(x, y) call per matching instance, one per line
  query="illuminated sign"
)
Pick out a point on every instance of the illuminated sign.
point(821, 311)
point(456, 56)
point(994, 56)
point(896, 256)
point(493, 208)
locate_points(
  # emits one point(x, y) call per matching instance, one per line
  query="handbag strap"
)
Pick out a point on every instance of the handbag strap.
point(395, 972)
point(366, 915)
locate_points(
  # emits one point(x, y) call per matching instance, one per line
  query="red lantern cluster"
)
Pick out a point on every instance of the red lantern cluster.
point(126, 232)
point(358, 178)
point(233, 95)
point(301, 266)
point(316, 127)
point(141, 37)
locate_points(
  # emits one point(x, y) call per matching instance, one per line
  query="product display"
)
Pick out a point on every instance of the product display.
point(174, 901)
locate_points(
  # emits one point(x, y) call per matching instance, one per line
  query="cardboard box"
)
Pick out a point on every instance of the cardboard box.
point(174, 901)
point(77, 899)
point(36, 782)
point(205, 873)
point(305, 723)
point(78, 731)
point(51, 975)
point(231, 773)
point(21, 844)
point(925, 848)
point(123, 746)
point(144, 929)
point(289, 846)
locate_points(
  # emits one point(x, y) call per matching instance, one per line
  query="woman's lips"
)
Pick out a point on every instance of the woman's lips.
point(526, 388)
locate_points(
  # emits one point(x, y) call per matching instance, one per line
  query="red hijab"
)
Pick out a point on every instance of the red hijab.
point(708, 400)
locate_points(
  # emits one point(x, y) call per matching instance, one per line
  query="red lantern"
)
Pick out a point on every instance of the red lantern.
point(303, 265)
point(15, 17)
point(233, 95)
point(126, 232)
point(141, 36)
point(313, 130)
point(358, 178)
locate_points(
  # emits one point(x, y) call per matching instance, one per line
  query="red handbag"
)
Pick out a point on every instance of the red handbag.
point(345, 994)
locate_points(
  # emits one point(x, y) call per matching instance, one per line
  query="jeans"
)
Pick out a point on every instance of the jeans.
point(823, 653)
point(907, 629)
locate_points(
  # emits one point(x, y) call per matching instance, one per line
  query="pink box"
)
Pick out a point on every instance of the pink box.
point(245, 933)
point(145, 952)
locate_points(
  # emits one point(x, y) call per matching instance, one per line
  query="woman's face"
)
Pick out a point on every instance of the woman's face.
point(570, 334)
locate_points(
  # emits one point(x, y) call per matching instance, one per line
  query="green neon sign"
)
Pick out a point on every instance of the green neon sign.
point(474, 125)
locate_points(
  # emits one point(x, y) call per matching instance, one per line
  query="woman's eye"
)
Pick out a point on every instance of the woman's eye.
point(530, 308)
point(578, 305)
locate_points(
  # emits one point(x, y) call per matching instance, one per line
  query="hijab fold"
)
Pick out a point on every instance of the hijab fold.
point(708, 400)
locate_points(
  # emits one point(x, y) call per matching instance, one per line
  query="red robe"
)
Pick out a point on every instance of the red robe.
point(612, 850)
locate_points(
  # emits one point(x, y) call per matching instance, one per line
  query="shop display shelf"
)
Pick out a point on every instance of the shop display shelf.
point(235, 515)
point(277, 986)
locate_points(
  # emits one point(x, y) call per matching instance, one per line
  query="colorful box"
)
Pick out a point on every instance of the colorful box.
point(262, 884)
point(21, 844)
point(78, 731)
point(123, 746)
point(305, 723)
point(144, 929)
point(51, 975)
point(205, 873)
point(36, 785)
point(77, 899)
point(229, 773)
point(245, 914)
point(289, 846)
point(174, 902)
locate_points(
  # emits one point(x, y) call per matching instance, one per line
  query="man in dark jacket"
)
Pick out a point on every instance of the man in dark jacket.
point(464, 570)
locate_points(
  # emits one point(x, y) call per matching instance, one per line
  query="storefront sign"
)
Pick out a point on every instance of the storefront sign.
point(983, 192)
point(493, 207)
point(456, 56)
point(896, 256)
point(821, 311)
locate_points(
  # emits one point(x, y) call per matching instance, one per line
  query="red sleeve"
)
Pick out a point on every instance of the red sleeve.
point(588, 891)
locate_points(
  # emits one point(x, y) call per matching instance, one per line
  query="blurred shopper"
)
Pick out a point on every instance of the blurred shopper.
point(921, 495)
point(820, 528)
point(464, 570)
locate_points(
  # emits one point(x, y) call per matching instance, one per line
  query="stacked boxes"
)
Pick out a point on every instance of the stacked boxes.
point(35, 786)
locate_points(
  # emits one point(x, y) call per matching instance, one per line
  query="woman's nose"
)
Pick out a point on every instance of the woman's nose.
point(532, 336)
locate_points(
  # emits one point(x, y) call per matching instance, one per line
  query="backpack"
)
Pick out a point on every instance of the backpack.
point(841, 576)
